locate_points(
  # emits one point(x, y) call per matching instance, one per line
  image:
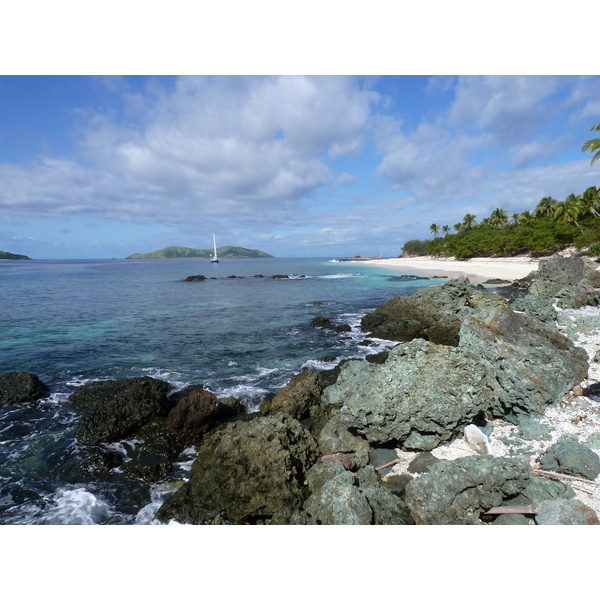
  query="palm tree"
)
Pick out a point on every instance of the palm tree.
point(546, 207)
point(515, 219)
point(469, 221)
point(569, 210)
point(525, 217)
point(459, 227)
point(446, 229)
point(593, 146)
point(590, 202)
point(435, 229)
point(498, 218)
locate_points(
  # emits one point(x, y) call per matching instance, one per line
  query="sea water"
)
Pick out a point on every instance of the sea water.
point(72, 322)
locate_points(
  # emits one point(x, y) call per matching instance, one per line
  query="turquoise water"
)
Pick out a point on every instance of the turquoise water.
point(76, 321)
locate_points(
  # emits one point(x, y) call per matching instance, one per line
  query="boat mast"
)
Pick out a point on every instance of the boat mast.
point(215, 258)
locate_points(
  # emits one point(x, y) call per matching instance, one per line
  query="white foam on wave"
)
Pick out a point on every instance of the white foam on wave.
point(341, 276)
point(76, 507)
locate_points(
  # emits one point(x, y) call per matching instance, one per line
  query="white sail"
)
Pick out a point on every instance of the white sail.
point(214, 258)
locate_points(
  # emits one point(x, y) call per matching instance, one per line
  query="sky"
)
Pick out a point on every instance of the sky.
point(103, 159)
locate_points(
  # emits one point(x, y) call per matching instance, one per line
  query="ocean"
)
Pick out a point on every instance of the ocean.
point(72, 322)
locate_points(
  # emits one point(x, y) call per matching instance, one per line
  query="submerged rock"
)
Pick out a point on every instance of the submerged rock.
point(115, 409)
point(246, 471)
point(21, 387)
point(457, 492)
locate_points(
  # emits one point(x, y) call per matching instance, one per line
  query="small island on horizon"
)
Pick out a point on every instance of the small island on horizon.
point(11, 256)
point(183, 252)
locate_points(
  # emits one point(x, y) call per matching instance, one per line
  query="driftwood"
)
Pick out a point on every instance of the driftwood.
point(393, 462)
point(561, 476)
point(526, 509)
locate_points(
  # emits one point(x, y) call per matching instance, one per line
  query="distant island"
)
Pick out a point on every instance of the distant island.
point(11, 256)
point(223, 252)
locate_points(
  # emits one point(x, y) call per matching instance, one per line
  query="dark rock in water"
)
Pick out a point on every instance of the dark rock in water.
point(300, 398)
point(95, 466)
point(342, 328)
point(246, 471)
point(496, 281)
point(430, 313)
point(341, 498)
point(259, 276)
point(566, 512)
point(195, 278)
point(192, 417)
point(571, 458)
point(115, 409)
point(323, 322)
point(227, 408)
point(280, 276)
point(539, 308)
point(422, 463)
point(574, 282)
point(21, 387)
point(508, 365)
point(457, 492)
point(152, 459)
point(347, 461)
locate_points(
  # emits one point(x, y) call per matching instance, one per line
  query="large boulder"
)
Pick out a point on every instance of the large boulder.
point(21, 387)
point(192, 416)
point(457, 492)
point(431, 313)
point(112, 410)
point(247, 470)
point(417, 399)
point(574, 282)
point(507, 365)
point(529, 364)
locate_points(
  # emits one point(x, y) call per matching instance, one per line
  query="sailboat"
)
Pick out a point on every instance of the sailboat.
point(214, 258)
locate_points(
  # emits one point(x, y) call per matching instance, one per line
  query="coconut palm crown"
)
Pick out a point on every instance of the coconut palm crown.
point(593, 145)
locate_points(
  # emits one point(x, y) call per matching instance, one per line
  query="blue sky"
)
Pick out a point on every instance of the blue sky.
point(104, 166)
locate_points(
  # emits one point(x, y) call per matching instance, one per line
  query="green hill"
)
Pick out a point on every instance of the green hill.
point(223, 252)
point(11, 256)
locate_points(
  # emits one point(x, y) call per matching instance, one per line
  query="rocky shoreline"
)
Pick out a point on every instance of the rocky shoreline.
point(486, 412)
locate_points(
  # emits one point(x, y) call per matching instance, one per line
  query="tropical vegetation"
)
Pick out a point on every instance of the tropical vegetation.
point(551, 226)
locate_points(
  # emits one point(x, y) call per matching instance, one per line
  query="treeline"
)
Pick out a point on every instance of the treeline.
point(551, 226)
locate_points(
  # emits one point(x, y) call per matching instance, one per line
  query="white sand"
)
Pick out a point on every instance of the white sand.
point(477, 270)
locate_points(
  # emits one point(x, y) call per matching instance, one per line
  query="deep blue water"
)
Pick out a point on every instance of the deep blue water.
point(75, 321)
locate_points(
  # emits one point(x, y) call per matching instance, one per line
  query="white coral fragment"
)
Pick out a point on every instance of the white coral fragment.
point(477, 440)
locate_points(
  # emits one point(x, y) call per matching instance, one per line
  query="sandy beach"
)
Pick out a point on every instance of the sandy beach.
point(477, 270)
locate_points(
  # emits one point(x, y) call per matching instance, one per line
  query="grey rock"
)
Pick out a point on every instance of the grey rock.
point(508, 365)
point(539, 489)
point(457, 492)
point(571, 458)
point(397, 484)
point(572, 281)
point(539, 308)
point(566, 512)
point(382, 456)
point(532, 429)
point(348, 462)
point(341, 498)
point(335, 437)
point(192, 416)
